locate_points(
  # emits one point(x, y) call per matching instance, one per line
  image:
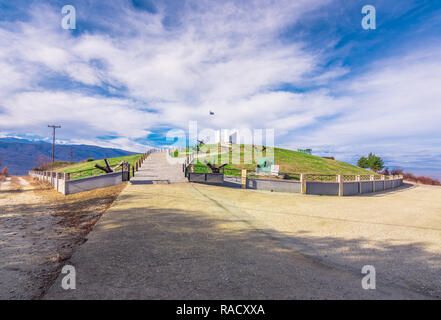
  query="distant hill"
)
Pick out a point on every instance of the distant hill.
point(21, 155)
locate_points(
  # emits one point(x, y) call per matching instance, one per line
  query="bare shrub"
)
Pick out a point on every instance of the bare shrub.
point(420, 179)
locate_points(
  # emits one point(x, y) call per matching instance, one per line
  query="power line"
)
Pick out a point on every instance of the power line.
point(53, 140)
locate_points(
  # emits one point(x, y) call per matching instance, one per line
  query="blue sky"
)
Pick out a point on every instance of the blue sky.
point(132, 70)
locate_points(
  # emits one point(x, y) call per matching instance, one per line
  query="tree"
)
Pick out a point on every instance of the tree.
point(397, 171)
point(363, 162)
point(372, 162)
point(375, 163)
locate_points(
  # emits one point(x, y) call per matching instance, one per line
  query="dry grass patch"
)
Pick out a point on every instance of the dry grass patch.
point(81, 210)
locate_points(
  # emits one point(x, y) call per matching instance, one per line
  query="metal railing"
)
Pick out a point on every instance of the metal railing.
point(294, 176)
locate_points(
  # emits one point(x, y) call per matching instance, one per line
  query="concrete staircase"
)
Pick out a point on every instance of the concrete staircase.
point(156, 169)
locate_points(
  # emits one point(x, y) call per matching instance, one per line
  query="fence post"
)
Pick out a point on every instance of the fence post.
point(67, 176)
point(59, 175)
point(133, 171)
point(358, 179)
point(340, 185)
point(125, 172)
point(373, 182)
point(244, 179)
point(303, 183)
point(393, 181)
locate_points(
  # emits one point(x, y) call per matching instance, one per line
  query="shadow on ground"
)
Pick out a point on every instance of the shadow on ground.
point(143, 252)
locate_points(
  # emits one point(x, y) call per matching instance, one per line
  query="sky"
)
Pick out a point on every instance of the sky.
point(133, 70)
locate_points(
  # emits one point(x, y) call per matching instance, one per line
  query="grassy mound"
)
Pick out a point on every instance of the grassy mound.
point(87, 169)
point(290, 161)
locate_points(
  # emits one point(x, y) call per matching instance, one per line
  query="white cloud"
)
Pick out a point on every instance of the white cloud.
point(222, 56)
point(394, 110)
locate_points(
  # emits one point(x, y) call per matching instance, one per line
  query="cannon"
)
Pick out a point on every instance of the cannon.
point(213, 167)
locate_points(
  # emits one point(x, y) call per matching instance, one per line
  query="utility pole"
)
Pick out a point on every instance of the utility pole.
point(53, 140)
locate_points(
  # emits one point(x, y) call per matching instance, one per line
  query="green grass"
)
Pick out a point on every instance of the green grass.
point(293, 162)
point(87, 169)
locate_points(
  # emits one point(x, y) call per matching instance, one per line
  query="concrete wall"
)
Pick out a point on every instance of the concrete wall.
point(379, 185)
point(322, 188)
point(75, 186)
point(90, 183)
point(351, 188)
point(196, 177)
point(388, 184)
point(315, 187)
point(61, 186)
point(366, 186)
point(206, 177)
point(233, 179)
point(214, 178)
point(274, 185)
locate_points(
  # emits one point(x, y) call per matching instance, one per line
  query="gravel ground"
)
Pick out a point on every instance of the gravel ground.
point(20, 229)
point(40, 229)
point(399, 233)
point(192, 241)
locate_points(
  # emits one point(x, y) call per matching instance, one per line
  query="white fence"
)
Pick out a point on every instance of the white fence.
point(62, 183)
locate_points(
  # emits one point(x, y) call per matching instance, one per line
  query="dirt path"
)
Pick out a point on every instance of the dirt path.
point(189, 241)
point(39, 229)
point(5, 184)
point(20, 229)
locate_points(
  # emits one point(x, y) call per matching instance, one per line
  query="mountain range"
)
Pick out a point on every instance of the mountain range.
point(21, 155)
